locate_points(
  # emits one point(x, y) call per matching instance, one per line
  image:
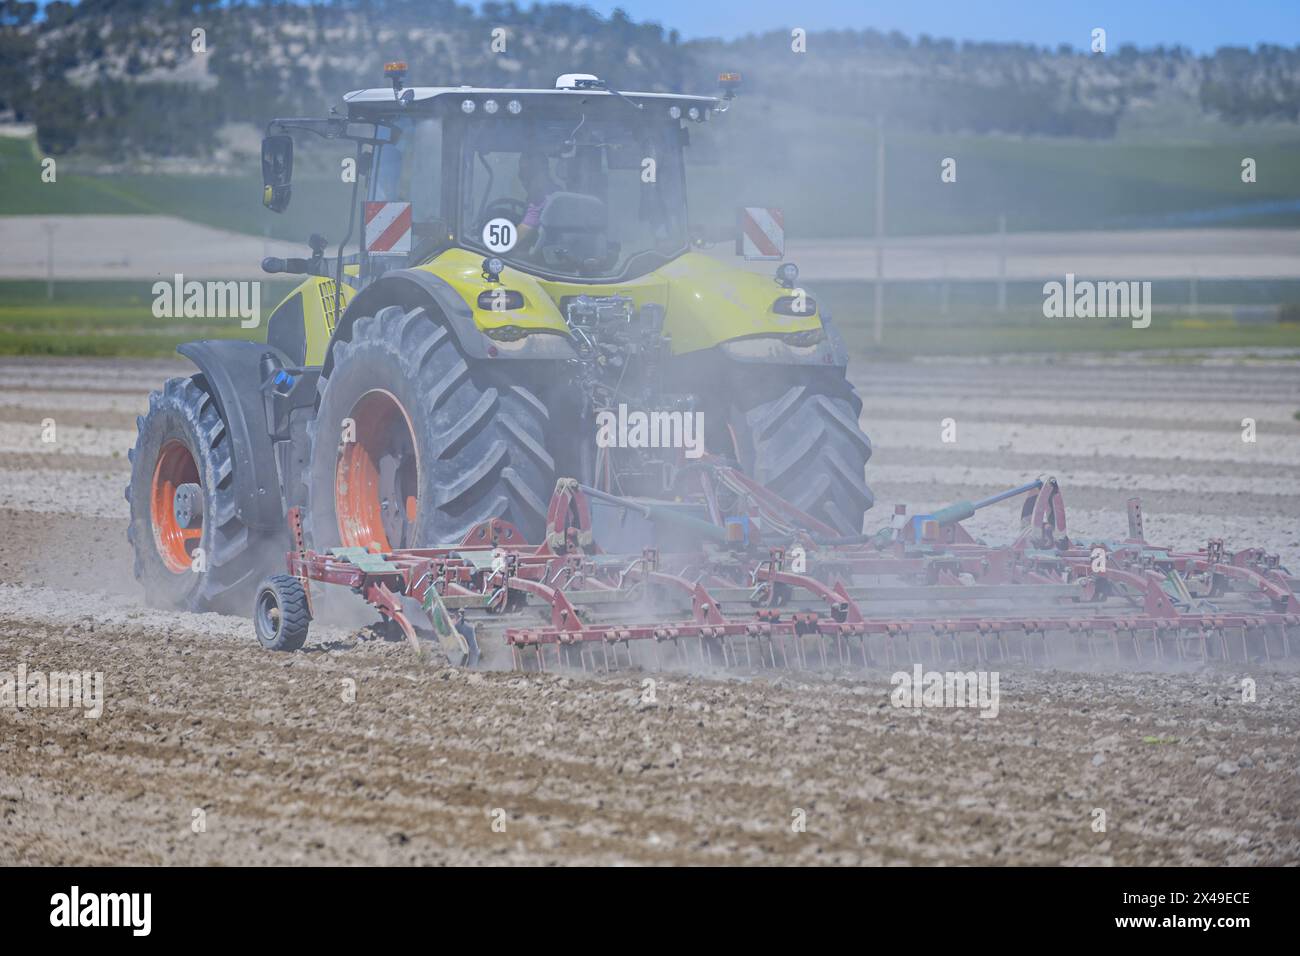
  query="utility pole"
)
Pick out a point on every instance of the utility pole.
point(943, 285)
point(1002, 263)
point(879, 332)
point(49, 260)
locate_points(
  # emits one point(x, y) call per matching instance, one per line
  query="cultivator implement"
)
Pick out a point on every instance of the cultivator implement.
point(735, 577)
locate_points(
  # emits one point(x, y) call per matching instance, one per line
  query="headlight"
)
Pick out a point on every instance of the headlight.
point(467, 106)
point(804, 339)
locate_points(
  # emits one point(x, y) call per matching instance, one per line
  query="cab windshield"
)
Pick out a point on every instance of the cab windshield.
point(587, 197)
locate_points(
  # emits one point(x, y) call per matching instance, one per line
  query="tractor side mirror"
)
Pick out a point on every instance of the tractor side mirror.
point(277, 172)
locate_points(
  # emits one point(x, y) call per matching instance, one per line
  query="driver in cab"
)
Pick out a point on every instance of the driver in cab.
point(539, 187)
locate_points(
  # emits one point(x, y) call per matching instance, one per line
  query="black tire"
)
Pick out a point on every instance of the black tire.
point(804, 443)
point(184, 414)
point(280, 615)
point(479, 438)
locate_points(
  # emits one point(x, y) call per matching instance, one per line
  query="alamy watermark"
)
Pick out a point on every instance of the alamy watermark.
point(637, 429)
point(75, 908)
point(1085, 299)
point(976, 689)
point(62, 689)
point(209, 300)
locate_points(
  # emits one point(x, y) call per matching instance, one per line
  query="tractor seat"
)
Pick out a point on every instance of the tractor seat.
point(573, 230)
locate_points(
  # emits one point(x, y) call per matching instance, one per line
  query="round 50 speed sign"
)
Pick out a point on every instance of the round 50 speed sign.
point(499, 235)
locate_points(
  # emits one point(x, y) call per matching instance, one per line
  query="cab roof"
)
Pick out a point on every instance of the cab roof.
point(420, 94)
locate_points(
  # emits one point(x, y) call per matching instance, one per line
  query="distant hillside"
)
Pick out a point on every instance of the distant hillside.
point(941, 86)
point(118, 78)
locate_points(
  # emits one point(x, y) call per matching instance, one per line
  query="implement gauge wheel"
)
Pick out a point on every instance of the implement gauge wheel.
point(280, 615)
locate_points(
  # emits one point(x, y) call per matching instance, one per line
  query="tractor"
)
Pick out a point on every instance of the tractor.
point(523, 265)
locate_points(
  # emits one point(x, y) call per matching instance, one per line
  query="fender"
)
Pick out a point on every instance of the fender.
point(231, 368)
point(418, 288)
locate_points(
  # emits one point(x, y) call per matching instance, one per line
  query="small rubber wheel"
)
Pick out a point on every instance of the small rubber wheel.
point(280, 614)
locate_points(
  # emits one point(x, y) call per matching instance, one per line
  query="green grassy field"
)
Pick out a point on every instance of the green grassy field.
point(226, 202)
point(106, 319)
point(116, 319)
point(915, 323)
point(820, 171)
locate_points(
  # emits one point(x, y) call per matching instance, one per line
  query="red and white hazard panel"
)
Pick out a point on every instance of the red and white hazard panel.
point(388, 228)
point(760, 233)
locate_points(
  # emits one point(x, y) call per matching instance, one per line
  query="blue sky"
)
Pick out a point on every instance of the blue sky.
point(1201, 25)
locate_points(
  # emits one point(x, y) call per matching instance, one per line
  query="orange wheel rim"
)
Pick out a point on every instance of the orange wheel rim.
point(376, 481)
point(175, 467)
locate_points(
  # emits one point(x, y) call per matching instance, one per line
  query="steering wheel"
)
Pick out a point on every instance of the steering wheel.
point(506, 208)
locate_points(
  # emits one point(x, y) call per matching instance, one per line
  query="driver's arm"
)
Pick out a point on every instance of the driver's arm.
point(527, 228)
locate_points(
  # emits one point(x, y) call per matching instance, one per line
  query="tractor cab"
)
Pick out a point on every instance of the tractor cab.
point(579, 182)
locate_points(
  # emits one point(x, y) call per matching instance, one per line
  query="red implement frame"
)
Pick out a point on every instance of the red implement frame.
point(854, 604)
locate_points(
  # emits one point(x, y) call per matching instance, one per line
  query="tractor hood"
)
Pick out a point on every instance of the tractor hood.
point(706, 302)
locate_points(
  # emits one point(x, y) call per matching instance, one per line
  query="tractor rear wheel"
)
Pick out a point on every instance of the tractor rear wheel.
point(414, 445)
point(802, 440)
point(192, 550)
